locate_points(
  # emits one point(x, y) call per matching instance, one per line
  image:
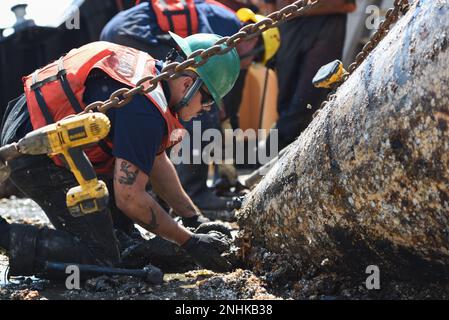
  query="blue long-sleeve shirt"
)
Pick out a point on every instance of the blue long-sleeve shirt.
point(140, 23)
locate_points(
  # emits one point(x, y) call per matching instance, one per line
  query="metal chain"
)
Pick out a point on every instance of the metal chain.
point(391, 17)
point(123, 96)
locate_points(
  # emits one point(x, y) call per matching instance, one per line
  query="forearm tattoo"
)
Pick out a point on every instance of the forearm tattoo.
point(126, 176)
point(153, 225)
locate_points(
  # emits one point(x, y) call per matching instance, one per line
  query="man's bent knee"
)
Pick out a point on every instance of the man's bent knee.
point(31, 247)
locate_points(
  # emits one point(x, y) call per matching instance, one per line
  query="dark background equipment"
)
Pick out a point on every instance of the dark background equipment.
point(32, 46)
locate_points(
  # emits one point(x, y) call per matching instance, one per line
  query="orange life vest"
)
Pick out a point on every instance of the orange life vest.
point(178, 16)
point(56, 91)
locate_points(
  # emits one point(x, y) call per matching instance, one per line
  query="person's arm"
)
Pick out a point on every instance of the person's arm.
point(135, 154)
point(132, 198)
point(166, 184)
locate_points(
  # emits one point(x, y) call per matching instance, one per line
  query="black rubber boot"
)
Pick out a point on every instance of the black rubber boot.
point(31, 247)
point(4, 235)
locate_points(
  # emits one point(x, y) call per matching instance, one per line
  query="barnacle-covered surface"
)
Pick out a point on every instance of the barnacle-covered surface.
point(368, 181)
point(366, 184)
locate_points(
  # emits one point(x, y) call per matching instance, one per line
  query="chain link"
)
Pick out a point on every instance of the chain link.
point(123, 96)
point(391, 17)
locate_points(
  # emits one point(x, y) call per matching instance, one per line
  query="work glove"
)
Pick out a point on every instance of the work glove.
point(195, 221)
point(206, 250)
point(207, 227)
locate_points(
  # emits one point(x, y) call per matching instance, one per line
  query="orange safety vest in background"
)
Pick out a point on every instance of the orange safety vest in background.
point(56, 91)
point(178, 16)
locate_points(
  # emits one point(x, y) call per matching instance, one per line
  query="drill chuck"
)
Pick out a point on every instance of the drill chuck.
point(71, 132)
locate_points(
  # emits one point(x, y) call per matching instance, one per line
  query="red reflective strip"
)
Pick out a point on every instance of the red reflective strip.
point(179, 21)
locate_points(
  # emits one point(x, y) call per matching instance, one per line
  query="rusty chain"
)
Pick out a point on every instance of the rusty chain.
point(123, 96)
point(391, 17)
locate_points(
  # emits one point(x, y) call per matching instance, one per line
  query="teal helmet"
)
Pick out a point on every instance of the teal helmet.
point(220, 72)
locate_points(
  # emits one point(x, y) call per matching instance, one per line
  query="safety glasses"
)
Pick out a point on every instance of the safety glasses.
point(206, 98)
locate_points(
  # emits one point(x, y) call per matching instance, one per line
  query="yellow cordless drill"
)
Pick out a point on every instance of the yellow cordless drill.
point(68, 138)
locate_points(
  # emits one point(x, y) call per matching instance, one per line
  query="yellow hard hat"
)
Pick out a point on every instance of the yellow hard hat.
point(271, 37)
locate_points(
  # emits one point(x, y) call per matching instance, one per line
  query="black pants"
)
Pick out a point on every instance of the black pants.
point(307, 43)
point(233, 100)
point(88, 239)
point(194, 176)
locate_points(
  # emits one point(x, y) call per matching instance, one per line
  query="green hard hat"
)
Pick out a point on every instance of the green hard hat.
point(220, 72)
